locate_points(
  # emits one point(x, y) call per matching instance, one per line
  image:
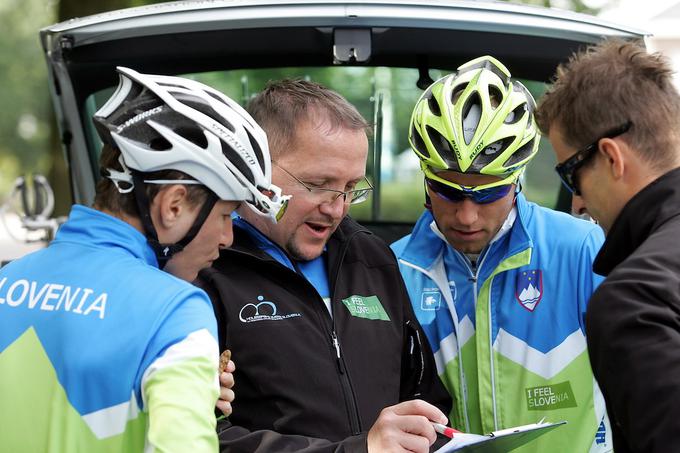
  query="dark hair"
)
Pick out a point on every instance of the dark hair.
point(284, 104)
point(108, 197)
point(608, 84)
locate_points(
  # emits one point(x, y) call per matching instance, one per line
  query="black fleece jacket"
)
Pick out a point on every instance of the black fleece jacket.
point(633, 321)
point(306, 381)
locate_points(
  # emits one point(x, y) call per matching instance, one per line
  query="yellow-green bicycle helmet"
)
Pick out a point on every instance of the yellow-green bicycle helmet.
point(476, 120)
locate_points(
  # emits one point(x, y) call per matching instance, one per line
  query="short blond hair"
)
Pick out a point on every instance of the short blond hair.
point(284, 104)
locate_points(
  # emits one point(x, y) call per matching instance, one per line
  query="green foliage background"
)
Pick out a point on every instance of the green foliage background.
point(25, 114)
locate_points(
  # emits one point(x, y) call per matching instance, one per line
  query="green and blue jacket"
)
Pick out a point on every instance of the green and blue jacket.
point(101, 351)
point(508, 333)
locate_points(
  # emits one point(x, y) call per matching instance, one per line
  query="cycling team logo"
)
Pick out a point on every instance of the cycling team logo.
point(430, 300)
point(264, 310)
point(529, 290)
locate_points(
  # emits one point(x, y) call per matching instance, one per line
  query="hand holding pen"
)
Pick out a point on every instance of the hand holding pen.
point(405, 427)
point(445, 430)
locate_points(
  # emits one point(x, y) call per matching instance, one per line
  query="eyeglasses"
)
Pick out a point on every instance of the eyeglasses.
point(567, 169)
point(481, 196)
point(322, 195)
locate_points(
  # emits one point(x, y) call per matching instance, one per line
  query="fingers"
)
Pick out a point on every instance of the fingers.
point(227, 395)
point(420, 407)
point(227, 379)
point(406, 426)
point(224, 407)
point(226, 383)
point(416, 426)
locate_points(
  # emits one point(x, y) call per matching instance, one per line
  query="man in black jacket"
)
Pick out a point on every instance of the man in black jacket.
point(330, 355)
point(613, 116)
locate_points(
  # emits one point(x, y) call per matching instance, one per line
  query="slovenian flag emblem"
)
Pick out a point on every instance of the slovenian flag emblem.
point(529, 288)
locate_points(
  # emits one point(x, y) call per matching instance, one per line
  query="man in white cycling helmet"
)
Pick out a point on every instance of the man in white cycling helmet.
point(499, 284)
point(99, 349)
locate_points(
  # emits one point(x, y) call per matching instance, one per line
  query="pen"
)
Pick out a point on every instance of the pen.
point(444, 430)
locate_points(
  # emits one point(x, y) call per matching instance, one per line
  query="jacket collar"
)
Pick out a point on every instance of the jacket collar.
point(250, 240)
point(646, 212)
point(99, 229)
point(424, 246)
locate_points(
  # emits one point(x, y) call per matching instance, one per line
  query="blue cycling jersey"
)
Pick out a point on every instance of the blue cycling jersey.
point(94, 339)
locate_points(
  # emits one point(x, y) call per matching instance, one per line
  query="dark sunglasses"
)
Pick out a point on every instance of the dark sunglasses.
point(567, 169)
point(482, 196)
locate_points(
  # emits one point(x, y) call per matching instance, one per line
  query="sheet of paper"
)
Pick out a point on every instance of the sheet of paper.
point(500, 441)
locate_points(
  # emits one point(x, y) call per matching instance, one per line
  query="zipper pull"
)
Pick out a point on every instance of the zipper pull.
point(336, 345)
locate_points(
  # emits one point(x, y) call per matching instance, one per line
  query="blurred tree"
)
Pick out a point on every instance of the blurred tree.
point(58, 172)
point(24, 119)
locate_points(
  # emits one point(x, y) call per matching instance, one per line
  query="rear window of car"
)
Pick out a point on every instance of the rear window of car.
point(385, 97)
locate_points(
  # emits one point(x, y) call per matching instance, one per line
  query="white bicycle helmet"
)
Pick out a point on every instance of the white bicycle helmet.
point(171, 123)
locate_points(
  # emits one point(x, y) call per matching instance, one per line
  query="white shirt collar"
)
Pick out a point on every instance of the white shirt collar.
point(507, 225)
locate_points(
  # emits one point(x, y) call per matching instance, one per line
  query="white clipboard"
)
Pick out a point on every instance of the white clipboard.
point(501, 441)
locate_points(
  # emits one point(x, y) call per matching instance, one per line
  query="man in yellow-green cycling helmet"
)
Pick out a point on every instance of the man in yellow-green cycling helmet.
point(486, 270)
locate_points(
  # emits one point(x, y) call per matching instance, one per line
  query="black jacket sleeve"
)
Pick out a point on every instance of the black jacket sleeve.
point(633, 328)
point(236, 439)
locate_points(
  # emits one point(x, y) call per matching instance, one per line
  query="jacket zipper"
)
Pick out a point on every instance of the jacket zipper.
point(474, 278)
point(444, 286)
point(421, 357)
point(346, 384)
point(338, 357)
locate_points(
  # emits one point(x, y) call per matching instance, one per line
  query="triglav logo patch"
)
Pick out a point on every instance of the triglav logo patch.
point(430, 300)
point(264, 310)
point(529, 290)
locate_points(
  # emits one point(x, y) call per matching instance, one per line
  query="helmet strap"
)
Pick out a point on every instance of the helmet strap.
point(164, 252)
point(428, 201)
point(200, 220)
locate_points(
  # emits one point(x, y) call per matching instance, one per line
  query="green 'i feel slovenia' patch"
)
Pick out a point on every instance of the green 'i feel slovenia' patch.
point(549, 397)
point(367, 307)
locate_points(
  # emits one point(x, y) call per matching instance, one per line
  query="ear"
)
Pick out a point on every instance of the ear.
point(615, 156)
point(170, 204)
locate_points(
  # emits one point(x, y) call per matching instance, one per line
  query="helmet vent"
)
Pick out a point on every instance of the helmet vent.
point(194, 134)
point(489, 154)
point(457, 91)
point(256, 149)
point(522, 153)
point(238, 162)
point(216, 97)
point(418, 143)
point(206, 109)
point(433, 105)
point(440, 143)
point(472, 112)
point(495, 96)
point(159, 144)
point(516, 115)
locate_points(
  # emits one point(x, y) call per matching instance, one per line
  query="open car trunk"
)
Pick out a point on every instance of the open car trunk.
point(231, 37)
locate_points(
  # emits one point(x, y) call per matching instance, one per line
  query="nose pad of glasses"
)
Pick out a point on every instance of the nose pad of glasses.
point(331, 198)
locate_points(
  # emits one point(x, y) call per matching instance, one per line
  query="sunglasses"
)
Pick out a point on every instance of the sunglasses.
point(567, 169)
point(481, 196)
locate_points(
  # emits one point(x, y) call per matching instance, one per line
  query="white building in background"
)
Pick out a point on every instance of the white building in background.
point(661, 18)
